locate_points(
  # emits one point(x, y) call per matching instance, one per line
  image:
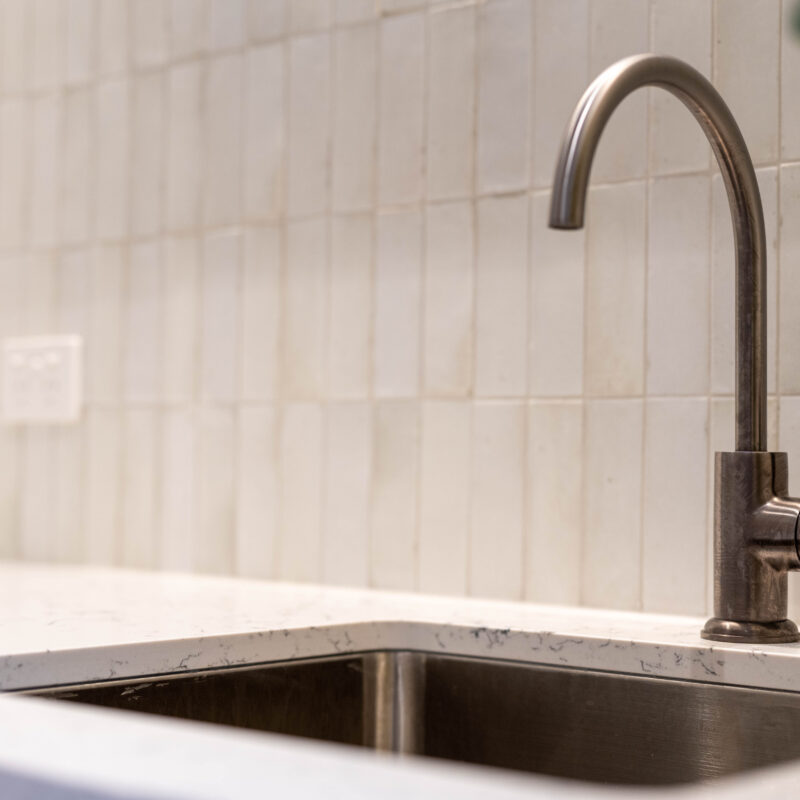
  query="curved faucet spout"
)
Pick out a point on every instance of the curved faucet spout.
point(709, 109)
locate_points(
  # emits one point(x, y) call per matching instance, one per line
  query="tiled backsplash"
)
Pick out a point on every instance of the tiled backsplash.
point(329, 336)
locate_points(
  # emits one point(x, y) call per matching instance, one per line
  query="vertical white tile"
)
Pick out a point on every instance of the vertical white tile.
point(43, 213)
point(504, 95)
point(349, 335)
point(15, 124)
point(147, 140)
point(77, 166)
point(181, 295)
point(73, 292)
point(393, 511)
point(219, 317)
point(143, 325)
point(448, 292)
point(502, 297)
point(497, 529)
point(790, 88)
point(227, 24)
point(678, 286)
point(444, 497)
point(258, 492)
point(12, 290)
point(561, 28)
point(354, 122)
point(304, 309)
point(39, 299)
point(15, 44)
point(140, 487)
point(10, 472)
point(615, 300)
point(681, 28)
point(300, 548)
point(37, 512)
point(178, 457)
point(48, 44)
point(184, 146)
point(451, 102)
point(216, 440)
point(789, 335)
point(398, 304)
point(309, 15)
point(399, 6)
point(267, 19)
point(351, 11)
point(113, 158)
point(223, 140)
point(68, 444)
point(746, 70)
point(554, 500)
point(556, 305)
point(620, 28)
point(101, 486)
point(104, 341)
point(112, 36)
point(149, 21)
point(309, 124)
point(188, 27)
point(261, 309)
point(345, 540)
point(264, 139)
point(612, 545)
point(401, 91)
point(675, 546)
point(80, 42)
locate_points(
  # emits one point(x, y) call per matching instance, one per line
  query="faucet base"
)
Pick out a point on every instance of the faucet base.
point(727, 630)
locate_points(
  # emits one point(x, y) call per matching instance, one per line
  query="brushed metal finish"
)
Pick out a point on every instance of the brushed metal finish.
point(755, 521)
point(588, 725)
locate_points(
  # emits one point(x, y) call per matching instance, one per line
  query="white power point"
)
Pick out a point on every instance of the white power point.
point(42, 379)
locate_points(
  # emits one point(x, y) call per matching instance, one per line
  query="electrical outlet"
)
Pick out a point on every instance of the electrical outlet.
point(42, 379)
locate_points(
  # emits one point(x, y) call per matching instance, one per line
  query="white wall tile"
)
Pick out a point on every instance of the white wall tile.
point(309, 124)
point(746, 67)
point(620, 28)
point(309, 15)
point(556, 305)
point(444, 513)
point(501, 299)
point(615, 285)
point(267, 19)
point(789, 334)
point(561, 28)
point(258, 492)
point(216, 441)
point(112, 113)
point(790, 88)
point(264, 138)
point(46, 68)
point(149, 21)
point(102, 486)
point(143, 325)
point(67, 500)
point(227, 24)
point(147, 140)
point(674, 534)
point(37, 521)
point(678, 286)
point(300, 546)
point(39, 293)
point(355, 118)
point(15, 121)
point(188, 27)
point(393, 510)
point(305, 309)
point(77, 167)
point(184, 161)
point(219, 318)
point(179, 343)
point(80, 41)
point(554, 491)
point(681, 28)
point(348, 459)
point(504, 94)
point(113, 50)
point(401, 98)
point(72, 292)
point(612, 546)
point(46, 138)
point(350, 332)
point(398, 304)
point(451, 102)
point(10, 463)
point(497, 525)
point(399, 6)
point(104, 347)
point(223, 140)
point(15, 40)
point(449, 304)
point(260, 314)
point(351, 11)
point(178, 520)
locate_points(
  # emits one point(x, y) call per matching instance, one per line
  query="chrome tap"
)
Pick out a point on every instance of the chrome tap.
point(755, 523)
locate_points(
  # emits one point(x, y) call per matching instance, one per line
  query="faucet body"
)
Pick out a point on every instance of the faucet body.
point(755, 522)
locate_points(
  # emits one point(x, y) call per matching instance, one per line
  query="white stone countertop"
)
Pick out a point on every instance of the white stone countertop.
point(61, 625)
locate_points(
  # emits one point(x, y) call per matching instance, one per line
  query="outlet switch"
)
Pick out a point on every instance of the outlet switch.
point(42, 379)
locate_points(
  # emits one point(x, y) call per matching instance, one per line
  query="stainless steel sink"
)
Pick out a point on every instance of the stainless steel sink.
point(588, 725)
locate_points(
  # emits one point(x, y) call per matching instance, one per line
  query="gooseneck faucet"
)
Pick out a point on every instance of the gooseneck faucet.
point(755, 522)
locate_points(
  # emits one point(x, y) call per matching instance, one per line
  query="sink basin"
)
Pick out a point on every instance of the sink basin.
point(588, 725)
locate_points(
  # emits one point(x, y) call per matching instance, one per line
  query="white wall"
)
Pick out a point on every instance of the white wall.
point(329, 335)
